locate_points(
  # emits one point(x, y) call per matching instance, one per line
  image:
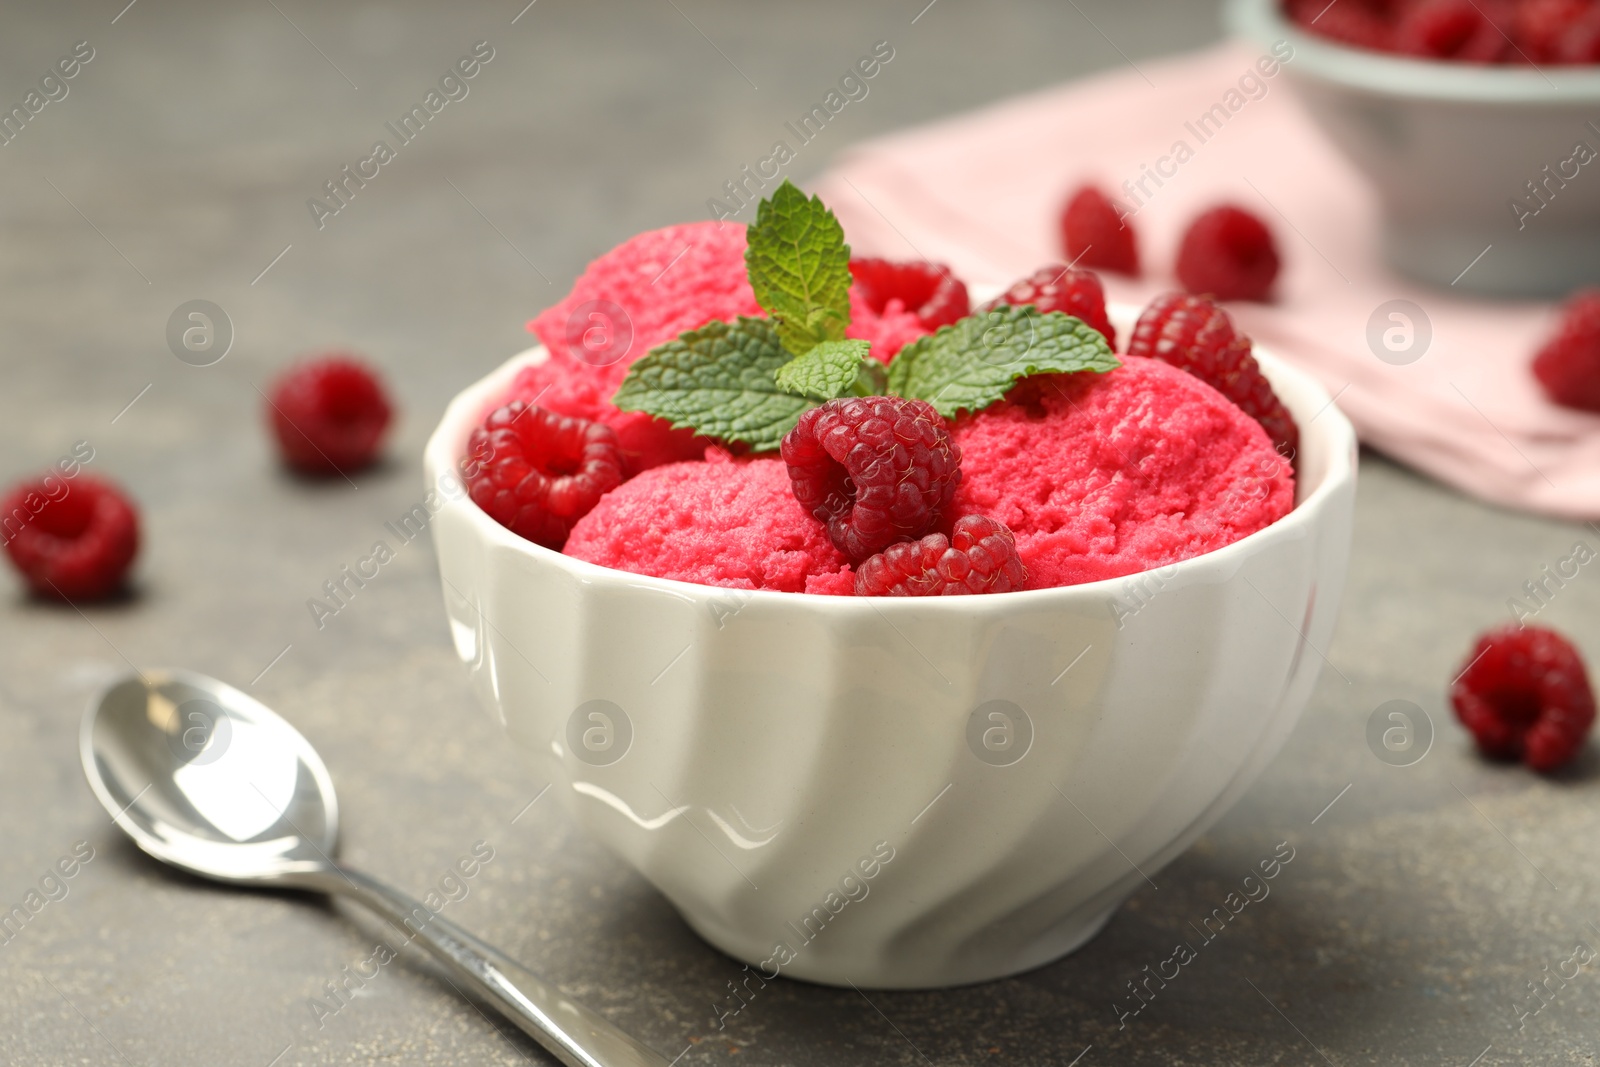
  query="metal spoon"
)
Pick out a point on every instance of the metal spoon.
point(211, 781)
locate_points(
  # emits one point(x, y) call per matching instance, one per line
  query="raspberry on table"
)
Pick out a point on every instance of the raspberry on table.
point(874, 470)
point(1061, 288)
point(927, 290)
point(1095, 235)
point(1195, 335)
point(73, 539)
point(1524, 694)
point(537, 473)
point(329, 415)
point(1228, 254)
point(1568, 365)
point(980, 556)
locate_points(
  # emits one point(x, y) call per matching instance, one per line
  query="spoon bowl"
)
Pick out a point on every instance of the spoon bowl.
point(208, 779)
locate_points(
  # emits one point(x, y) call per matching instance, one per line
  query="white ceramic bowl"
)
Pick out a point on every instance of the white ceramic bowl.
point(828, 773)
point(1448, 147)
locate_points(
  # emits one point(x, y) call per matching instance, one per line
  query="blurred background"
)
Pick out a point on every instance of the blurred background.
point(1421, 901)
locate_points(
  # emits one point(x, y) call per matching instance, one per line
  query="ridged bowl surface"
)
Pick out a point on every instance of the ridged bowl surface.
point(899, 792)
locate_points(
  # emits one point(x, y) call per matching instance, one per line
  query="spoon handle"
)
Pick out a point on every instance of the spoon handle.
point(572, 1033)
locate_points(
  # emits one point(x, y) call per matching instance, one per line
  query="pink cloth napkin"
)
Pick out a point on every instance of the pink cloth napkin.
point(981, 192)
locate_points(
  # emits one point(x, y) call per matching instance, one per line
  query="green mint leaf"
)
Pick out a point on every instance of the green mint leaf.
point(720, 381)
point(872, 379)
point(799, 267)
point(829, 370)
point(971, 364)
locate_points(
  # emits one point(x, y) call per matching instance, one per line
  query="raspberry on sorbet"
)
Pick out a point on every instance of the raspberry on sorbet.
point(927, 290)
point(537, 473)
point(1061, 288)
point(1193, 334)
point(875, 470)
point(980, 556)
point(74, 538)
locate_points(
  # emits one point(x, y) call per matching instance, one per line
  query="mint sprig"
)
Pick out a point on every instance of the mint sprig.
point(829, 370)
point(971, 364)
point(719, 380)
point(748, 382)
point(799, 268)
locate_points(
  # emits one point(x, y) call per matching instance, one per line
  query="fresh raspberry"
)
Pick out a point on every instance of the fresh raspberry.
point(875, 470)
point(1568, 366)
point(537, 472)
point(1524, 694)
point(927, 290)
point(980, 556)
point(1194, 334)
point(1228, 254)
point(1450, 29)
point(1541, 26)
point(568, 387)
point(74, 539)
point(1095, 235)
point(329, 414)
point(1059, 288)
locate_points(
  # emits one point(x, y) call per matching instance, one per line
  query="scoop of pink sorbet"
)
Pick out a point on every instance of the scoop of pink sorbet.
point(642, 293)
point(646, 291)
point(1104, 475)
point(887, 331)
point(733, 523)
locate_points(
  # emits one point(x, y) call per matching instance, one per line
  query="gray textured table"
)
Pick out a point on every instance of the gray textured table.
point(1416, 909)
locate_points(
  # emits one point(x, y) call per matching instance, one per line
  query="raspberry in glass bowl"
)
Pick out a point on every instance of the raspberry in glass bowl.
point(1475, 136)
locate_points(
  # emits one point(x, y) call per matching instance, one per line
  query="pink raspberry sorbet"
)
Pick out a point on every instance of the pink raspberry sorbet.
point(1106, 475)
point(643, 292)
point(733, 523)
point(658, 284)
point(888, 332)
